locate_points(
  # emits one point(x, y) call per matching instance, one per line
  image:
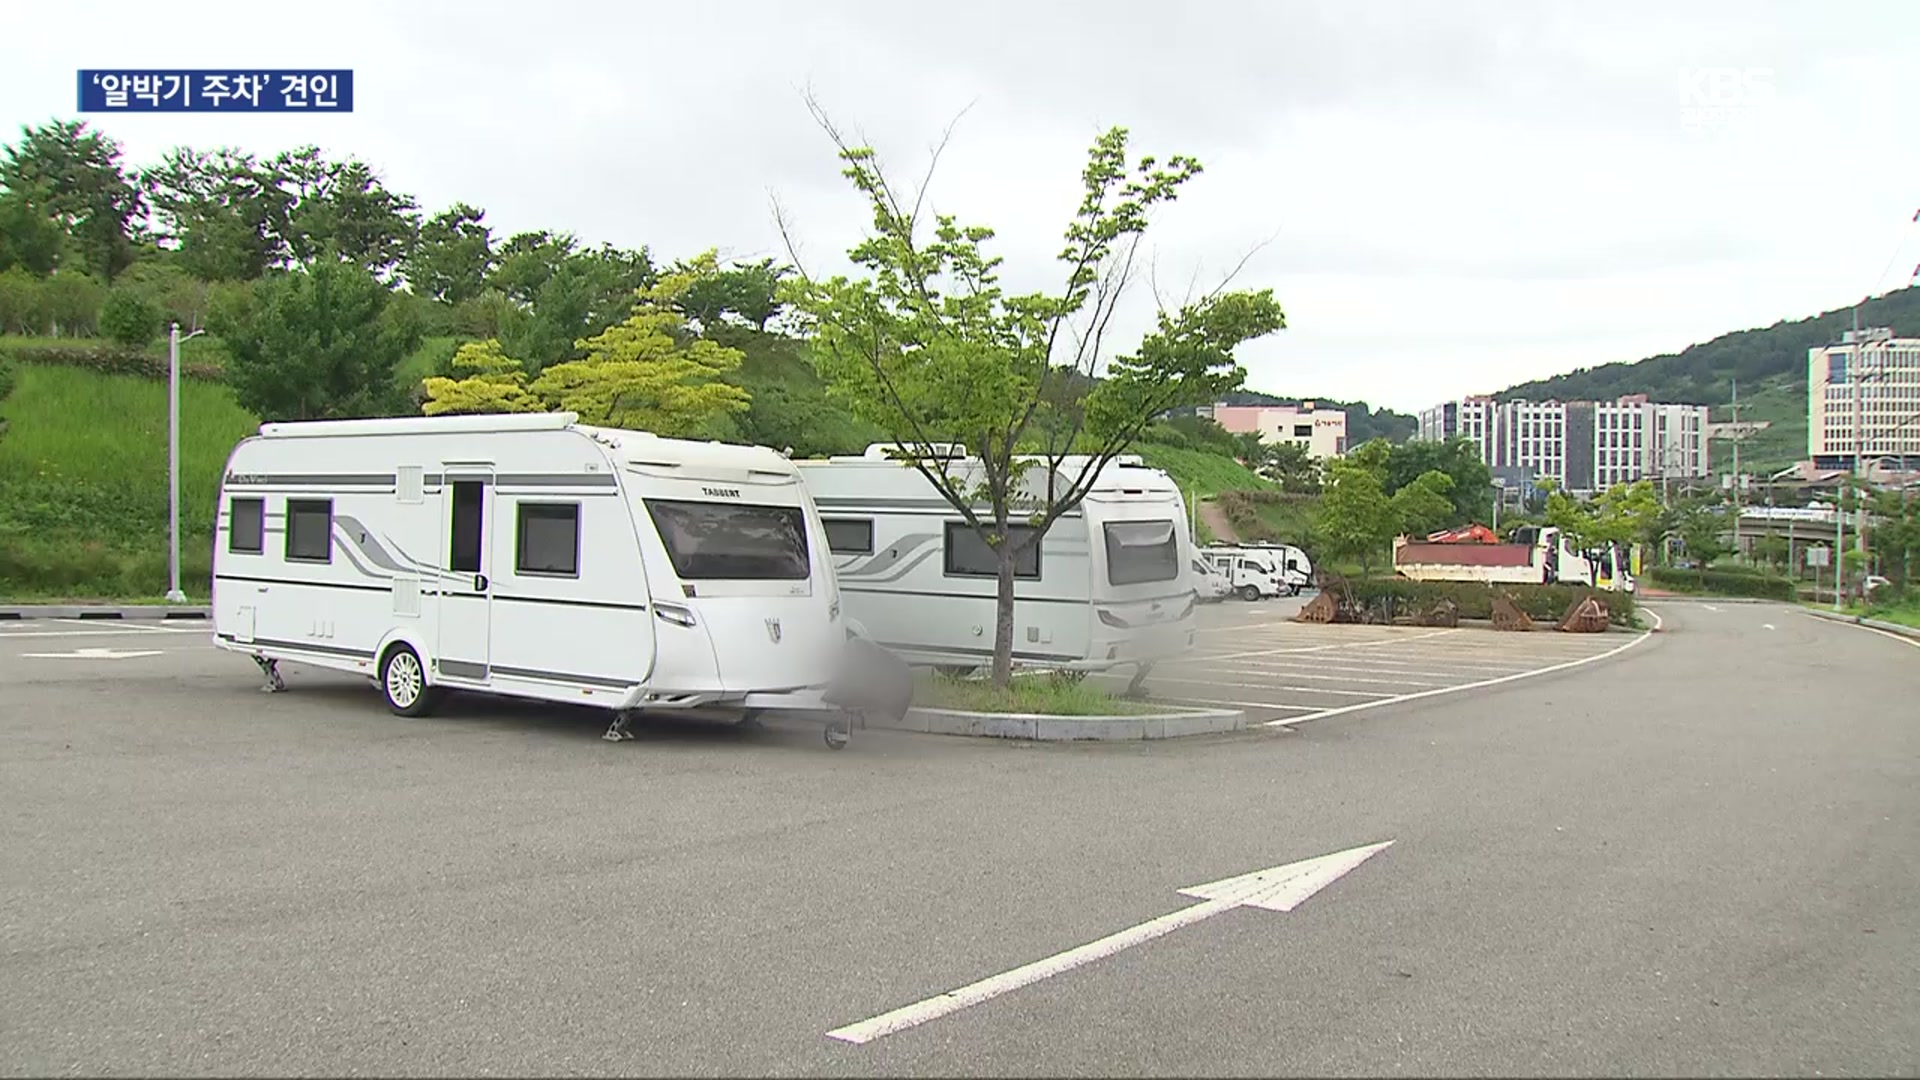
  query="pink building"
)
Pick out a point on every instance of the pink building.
point(1322, 431)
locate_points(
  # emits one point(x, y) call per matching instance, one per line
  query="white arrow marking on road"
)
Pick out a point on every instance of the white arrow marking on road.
point(1766, 626)
point(92, 654)
point(1709, 607)
point(1279, 888)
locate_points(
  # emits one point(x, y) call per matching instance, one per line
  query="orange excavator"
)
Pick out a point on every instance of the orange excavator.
point(1469, 534)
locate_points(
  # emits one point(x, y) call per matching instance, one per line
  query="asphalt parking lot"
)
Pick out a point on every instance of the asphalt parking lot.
point(1250, 656)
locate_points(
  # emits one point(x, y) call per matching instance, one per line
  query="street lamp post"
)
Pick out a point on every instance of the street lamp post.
point(174, 595)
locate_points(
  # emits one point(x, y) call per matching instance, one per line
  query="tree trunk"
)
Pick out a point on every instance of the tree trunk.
point(1003, 617)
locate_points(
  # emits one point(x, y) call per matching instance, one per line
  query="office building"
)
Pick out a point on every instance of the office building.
point(1322, 431)
point(1863, 397)
point(1582, 446)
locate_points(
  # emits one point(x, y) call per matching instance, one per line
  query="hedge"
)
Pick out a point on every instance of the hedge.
point(1726, 582)
point(1543, 603)
point(113, 360)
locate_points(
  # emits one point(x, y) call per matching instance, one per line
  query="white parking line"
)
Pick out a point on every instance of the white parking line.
point(147, 632)
point(1239, 704)
point(1272, 686)
point(1615, 651)
point(1322, 678)
point(1337, 645)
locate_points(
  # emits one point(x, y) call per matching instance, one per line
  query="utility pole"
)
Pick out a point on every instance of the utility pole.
point(174, 595)
point(1735, 431)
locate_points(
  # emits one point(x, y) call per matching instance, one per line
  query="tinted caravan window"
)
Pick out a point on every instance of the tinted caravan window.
point(732, 542)
point(1142, 551)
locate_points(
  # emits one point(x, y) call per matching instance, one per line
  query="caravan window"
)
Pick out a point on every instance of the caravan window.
point(547, 539)
point(247, 529)
point(310, 530)
point(732, 542)
point(849, 536)
point(969, 556)
point(1142, 551)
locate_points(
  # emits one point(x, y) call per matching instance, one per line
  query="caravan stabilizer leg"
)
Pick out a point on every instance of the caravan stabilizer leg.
point(618, 730)
point(1138, 687)
point(271, 669)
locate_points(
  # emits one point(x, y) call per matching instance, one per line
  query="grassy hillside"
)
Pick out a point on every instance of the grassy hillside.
point(1201, 472)
point(83, 464)
point(1781, 401)
point(1772, 357)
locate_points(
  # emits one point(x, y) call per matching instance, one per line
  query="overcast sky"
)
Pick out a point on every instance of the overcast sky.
point(1453, 197)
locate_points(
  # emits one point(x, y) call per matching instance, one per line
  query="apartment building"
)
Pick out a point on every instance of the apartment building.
point(1322, 431)
point(1863, 397)
point(1582, 446)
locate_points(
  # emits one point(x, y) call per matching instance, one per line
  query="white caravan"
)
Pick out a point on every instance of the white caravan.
point(530, 556)
point(1109, 585)
point(1252, 573)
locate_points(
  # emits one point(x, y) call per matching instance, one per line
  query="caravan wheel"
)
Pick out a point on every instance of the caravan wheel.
point(403, 682)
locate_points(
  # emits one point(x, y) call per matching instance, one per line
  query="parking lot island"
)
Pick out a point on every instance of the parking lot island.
point(1162, 723)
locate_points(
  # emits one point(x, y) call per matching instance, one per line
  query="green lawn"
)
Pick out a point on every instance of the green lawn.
point(1202, 472)
point(1045, 694)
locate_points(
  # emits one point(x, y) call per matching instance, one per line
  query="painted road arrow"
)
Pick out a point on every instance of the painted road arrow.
point(1279, 888)
point(92, 654)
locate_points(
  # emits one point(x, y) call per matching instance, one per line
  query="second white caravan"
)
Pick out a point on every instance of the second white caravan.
point(530, 556)
point(1109, 585)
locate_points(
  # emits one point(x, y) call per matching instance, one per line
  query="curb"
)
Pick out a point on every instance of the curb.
point(1862, 620)
point(132, 612)
point(1039, 727)
point(1694, 598)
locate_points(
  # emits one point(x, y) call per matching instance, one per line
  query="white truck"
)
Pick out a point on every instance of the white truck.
point(531, 556)
point(1252, 573)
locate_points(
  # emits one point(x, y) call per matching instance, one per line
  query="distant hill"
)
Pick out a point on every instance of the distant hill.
point(1770, 364)
point(1363, 422)
point(1703, 374)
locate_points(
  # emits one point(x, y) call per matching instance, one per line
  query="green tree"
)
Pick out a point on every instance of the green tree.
point(73, 173)
point(341, 210)
point(933, 351)
point(1702, 532)
point(1471, 493)
point(129, 318)
point(29, 238)
point(22, 303)
point(1893, 535)
point(1357, 518)
point(223, 212)
point(1424, 504)
point(748, 293)
point(315, 345)
point(489, 381)
point(453, 257)
point(644, 373)
point(1293, 467)
point(70, 301)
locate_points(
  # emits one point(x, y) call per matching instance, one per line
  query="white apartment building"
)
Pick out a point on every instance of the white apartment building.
point(1863, 396)
point(1582, 446)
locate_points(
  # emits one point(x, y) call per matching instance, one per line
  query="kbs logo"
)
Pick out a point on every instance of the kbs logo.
point(1723, 98)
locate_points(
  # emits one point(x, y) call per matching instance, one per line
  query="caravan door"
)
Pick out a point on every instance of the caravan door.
point(466, 590)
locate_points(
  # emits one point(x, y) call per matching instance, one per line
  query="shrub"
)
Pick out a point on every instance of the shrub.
point(1728, 582)
point(129, 318)
point(66, 570)
point(1543, 603)
point(114, 360)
